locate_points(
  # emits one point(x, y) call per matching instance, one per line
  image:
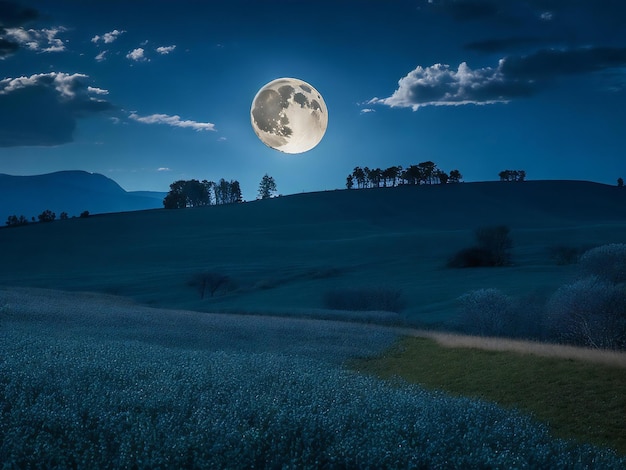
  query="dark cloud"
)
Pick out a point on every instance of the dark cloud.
point(514, 77)
point(13, 15)
point(42, 109)
point(471, 9)
point(8, 47)
point(505, 44)
point(551, 63)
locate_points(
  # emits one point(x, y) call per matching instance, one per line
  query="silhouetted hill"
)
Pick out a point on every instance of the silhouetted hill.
point(69, 191)
point(284, 254)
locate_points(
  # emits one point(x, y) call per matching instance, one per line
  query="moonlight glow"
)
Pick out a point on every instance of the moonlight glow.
point(289, 115)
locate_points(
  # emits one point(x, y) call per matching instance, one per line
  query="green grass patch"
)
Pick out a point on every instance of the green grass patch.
point(578, 400)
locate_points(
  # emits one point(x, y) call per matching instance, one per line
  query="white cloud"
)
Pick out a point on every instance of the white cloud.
point(100, 57)
point(97, 91)
point(367, 110)
point(138, 55)
point(514, 77)
point(165, 49)
point(65, 84)
point(39, 40)
point(174, 121)
point(163, 168)
point(547, 16)
point(107, 38)
point(440, 85)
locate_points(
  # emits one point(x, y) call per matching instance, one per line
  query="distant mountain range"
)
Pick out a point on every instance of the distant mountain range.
point(70, 191)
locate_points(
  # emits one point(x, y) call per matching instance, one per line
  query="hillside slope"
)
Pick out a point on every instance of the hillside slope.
point(284, 254)
point(69, 191)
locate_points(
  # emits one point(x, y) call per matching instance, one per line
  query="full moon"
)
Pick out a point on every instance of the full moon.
point(289, 115)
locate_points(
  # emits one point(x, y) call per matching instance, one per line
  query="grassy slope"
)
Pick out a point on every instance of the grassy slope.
point(576, 399)
point(286, 252)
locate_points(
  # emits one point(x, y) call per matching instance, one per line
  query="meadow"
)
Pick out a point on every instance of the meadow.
point(111, 355)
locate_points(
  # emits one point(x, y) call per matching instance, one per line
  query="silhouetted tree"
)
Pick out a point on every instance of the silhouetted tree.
point(428, 172)
point(391, 175)
point(192, 193)
point(374, 176)
point(63, 216)
point(222, 192)
point(413, 174)
point(496, 241)
point(492, 248)
point(84, 214)
point(15, 221)
point(176, 198)
point(267, 187)
point(455, 176)
point(512, 175)
point(359, 176)
point(47, 216)
point(442, 176)
point(235, 192)
point(350, 182)
point(620, 182)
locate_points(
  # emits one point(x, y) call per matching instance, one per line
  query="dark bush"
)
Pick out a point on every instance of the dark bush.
point(365, 299)
point(563, 255)
point(47, 216)
point(492, 248)
point(471, 258)
point(84, 214)
point(15, 221)
point(211, 282)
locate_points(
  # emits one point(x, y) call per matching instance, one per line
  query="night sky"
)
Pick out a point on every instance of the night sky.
point(148, 92)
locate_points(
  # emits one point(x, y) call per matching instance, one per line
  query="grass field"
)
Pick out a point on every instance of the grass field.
point(111, 351)
point(284, 254)
point(578, 399)
point(89, 381)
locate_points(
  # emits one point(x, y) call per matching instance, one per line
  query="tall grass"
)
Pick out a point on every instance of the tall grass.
point(581, 399)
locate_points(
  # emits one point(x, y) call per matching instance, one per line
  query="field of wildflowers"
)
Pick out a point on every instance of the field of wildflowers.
point(91, 383)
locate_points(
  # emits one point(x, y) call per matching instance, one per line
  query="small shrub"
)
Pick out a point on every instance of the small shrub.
point(608, 262)
point(487, 312)
point(365, 299)
point(492, 248)
point(590, 312)
point(471, 258)
point(84, 214)
point(210, 282)
point(563, 255)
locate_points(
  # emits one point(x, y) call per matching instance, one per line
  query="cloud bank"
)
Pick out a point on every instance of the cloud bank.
point(42, 109)
point(514, 77)
point(174, 121)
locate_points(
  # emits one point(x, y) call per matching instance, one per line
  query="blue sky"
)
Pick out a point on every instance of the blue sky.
point(148, 92)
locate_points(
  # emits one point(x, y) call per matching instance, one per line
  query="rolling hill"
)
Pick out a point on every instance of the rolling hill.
point(283, 255)
point(69, 191)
